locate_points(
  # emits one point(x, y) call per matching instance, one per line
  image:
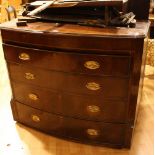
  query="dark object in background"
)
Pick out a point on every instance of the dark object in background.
point(92, 13)
point(126, 20)
point(151, 18)
point(27, 19)
point(152, 32)
point(140, 8)
point(27, 1)
point(21, 23)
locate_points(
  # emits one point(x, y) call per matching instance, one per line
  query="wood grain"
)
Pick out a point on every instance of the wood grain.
point(78, 40)
point(55, 102)
point(72, 62)
point(44, 28)
point(20, 140)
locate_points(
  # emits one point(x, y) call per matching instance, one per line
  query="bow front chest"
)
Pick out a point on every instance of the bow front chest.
point(76, 82)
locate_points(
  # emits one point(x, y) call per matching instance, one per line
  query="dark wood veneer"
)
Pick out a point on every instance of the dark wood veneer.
point(59, 79)
point(74, 83)
point(69, 62)
point(69, 127)
point(59, 102)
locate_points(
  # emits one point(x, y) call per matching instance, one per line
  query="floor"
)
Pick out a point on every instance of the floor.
point(16, 139)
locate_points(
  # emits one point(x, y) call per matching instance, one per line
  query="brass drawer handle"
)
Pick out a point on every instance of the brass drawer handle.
point(35, 118)
point(93, 108)
point(92, 64)
point(24, 56)
point(29, 76)
point(33, 97)
point(93, 86)
point(92, 132)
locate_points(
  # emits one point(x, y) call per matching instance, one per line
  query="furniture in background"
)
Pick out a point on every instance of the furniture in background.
point(150, 49)
point(151, 19)
point(5, 4)
point(11, 12)
point(140, 8)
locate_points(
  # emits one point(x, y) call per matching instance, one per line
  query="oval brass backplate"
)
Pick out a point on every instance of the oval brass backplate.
point(24, 56)
point(93, 86)
point(33, 97)
point(92, 65)
point(93, 108)
point(29, 76)
point(92, 132)
point(35, 118)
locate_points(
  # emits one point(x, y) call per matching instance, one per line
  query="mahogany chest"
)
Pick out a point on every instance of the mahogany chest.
point(76, 82)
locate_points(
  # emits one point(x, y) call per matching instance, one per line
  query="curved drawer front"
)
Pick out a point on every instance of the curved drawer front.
point(80, 130)
point(69, 62)
point(75, 83)
point(89, 107)
point(69, 41)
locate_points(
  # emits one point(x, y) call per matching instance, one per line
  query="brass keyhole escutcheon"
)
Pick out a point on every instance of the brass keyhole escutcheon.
point(92, 132)
point(35, 118)
point(92, 65)
point(24, 56)
point(29, 76)
point(33, 97)
point(93, 86)
point(93, 109)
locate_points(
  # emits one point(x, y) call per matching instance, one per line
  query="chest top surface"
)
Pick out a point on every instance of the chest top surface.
point(140, 31)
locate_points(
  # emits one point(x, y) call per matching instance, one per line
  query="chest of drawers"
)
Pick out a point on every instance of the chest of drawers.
point(74, 82)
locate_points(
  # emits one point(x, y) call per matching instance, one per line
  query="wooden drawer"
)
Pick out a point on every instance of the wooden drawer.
point(80, 130)
point(106, 86)
point(69, 62)
point(69, 40)
point(89, 107)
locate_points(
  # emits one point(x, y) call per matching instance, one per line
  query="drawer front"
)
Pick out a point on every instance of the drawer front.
point(89, 107)
point(69, 41)
point(80, 130)
point(69, 62)
point(106, 86)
